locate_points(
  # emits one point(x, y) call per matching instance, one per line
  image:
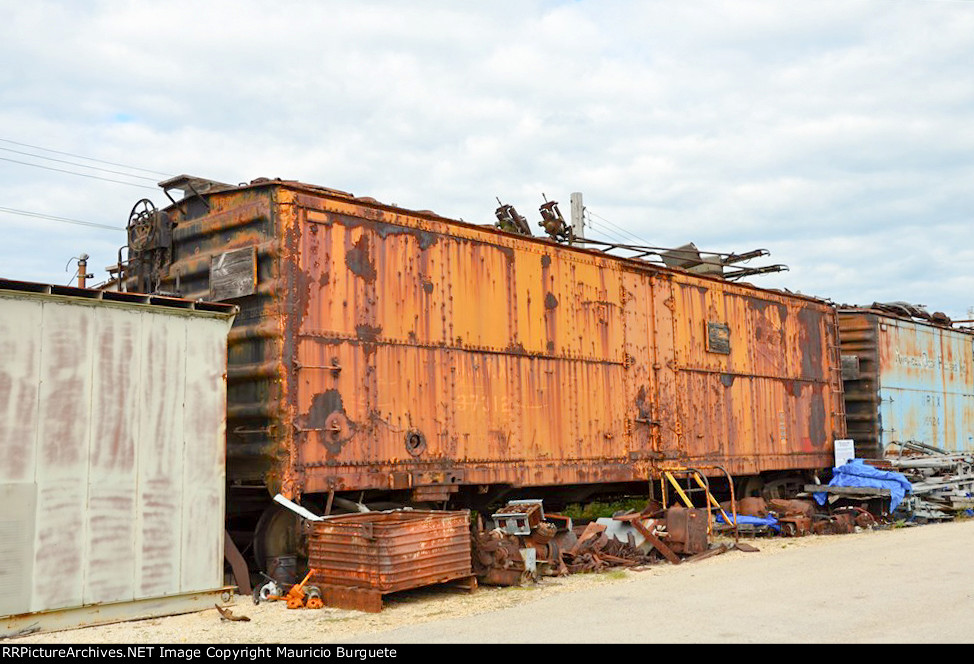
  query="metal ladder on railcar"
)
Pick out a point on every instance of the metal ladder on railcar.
point(835, 370)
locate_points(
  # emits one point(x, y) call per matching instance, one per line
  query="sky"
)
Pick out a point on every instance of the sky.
point(837, 135)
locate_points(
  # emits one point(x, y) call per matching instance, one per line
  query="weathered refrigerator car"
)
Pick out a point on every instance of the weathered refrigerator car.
point(386, 350)
point(112, 471)
point(906, 380)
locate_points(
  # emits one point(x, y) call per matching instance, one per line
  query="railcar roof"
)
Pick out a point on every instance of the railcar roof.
point(196, 186)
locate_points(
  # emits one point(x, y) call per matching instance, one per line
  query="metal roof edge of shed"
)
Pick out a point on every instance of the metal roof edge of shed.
point(433, 216)
point(90, 296)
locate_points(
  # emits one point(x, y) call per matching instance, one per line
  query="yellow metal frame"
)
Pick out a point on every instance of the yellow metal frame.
point(668, 476)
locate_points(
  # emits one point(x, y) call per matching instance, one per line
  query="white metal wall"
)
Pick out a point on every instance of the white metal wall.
point(112, 444)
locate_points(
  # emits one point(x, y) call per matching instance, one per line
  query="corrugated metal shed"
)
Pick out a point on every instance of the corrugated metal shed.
point(906, 380)
point(112, 461)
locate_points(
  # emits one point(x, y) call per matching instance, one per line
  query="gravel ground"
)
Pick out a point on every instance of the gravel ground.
point(273, 623)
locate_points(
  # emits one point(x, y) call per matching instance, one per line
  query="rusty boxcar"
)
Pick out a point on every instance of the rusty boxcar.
point(906, 379)
point(402, 353)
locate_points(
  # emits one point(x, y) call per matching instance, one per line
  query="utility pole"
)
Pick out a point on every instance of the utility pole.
point(578, 216)
point(83, 270)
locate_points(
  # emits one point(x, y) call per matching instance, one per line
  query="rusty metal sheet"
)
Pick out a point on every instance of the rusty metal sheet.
point(475, 373)
point(915, 382)
point(351, 598)
point(258, 434)
point(771, 402)
point(390, 551)
point(124, 448)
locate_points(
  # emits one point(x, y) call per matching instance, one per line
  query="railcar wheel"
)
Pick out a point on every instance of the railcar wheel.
point(752, 486)
point(281, 532)
point(783, 487)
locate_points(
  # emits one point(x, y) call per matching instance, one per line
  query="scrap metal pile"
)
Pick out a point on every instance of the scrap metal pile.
point(942, 482)
point(523, 544)
point(799, 517)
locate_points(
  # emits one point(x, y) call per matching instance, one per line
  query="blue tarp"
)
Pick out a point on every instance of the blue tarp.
point(857, 473)
point(753, 520)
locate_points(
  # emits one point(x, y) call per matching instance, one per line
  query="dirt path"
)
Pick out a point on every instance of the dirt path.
point(909, 584)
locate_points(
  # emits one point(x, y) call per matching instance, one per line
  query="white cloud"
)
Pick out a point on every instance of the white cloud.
point(836, 134)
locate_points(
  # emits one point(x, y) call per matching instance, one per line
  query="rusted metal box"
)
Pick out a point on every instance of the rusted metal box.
point(112, 466)
point(357, 558)
point(519, 517)
point(914, 382)
point(687, 529)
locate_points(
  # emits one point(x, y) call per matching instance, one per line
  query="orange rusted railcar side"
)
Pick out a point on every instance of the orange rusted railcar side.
point(383, 349)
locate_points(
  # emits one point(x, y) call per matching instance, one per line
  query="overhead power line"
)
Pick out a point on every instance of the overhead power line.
point(83, 175)
point(72, 163)
point(65, 220)
point(79, 156)
point(604, 230)
point(617, 227)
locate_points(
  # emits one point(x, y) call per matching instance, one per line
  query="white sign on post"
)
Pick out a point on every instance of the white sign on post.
point(845, 449)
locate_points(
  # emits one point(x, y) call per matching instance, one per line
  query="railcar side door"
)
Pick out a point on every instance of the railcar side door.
point(642, 395)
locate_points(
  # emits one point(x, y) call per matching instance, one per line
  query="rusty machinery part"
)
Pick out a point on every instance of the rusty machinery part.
point(336, 428)
point(550, 561)
point(594, 550)
point(840, 523)
point(553, 222)
point(795, 525)
point(497, 560)
point(149, 241)
point(313, 597)
point(141, 225)
point(519, 517)
point(510, 221)
point(544, 533)
point(687, 529)
point(415, 442)
point(297, 596)
point(265, 593)
point(804, 508)
point(521, 546)
point(862, 517)
point(283, 569)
